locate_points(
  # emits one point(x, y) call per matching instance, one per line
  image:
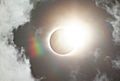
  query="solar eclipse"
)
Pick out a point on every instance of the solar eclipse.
point(71, 35)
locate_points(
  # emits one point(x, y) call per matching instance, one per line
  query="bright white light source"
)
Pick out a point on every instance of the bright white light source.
point(74, 35)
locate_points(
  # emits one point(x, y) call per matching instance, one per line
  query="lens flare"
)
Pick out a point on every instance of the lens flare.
point(35, 46)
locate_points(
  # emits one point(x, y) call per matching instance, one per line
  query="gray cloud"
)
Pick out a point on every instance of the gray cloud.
point(116, 63)
point(12, 14)
point(101, 77)
point(113, 8)
point(74, 74)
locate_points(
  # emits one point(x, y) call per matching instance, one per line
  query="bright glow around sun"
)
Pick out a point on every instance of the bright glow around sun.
point(74, 34)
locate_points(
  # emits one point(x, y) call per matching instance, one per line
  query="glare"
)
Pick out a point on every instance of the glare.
point(75, 34)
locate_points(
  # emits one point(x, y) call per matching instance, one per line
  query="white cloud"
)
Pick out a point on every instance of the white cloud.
point(12, 14)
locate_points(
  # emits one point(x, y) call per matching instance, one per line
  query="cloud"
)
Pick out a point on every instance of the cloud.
point(97, 54)
point(73, 74)
point(101, 77)
point(116, 63)
point(113, 8)
point(12, 14)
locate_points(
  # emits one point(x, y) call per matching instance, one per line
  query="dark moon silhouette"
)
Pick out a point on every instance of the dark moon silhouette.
point(59, 46)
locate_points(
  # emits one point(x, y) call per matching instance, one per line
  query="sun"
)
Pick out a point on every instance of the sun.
point(70, 36)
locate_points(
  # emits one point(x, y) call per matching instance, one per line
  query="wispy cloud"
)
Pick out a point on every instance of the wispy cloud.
point(113, 8)
point(101, 77)
point(116, 63)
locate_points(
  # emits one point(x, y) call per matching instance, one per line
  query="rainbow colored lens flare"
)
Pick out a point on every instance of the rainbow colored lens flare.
point(35, 46)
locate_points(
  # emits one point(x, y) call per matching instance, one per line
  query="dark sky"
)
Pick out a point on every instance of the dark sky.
point(56, 68)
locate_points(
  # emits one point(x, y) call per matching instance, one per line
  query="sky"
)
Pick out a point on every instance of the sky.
point(24, 55)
